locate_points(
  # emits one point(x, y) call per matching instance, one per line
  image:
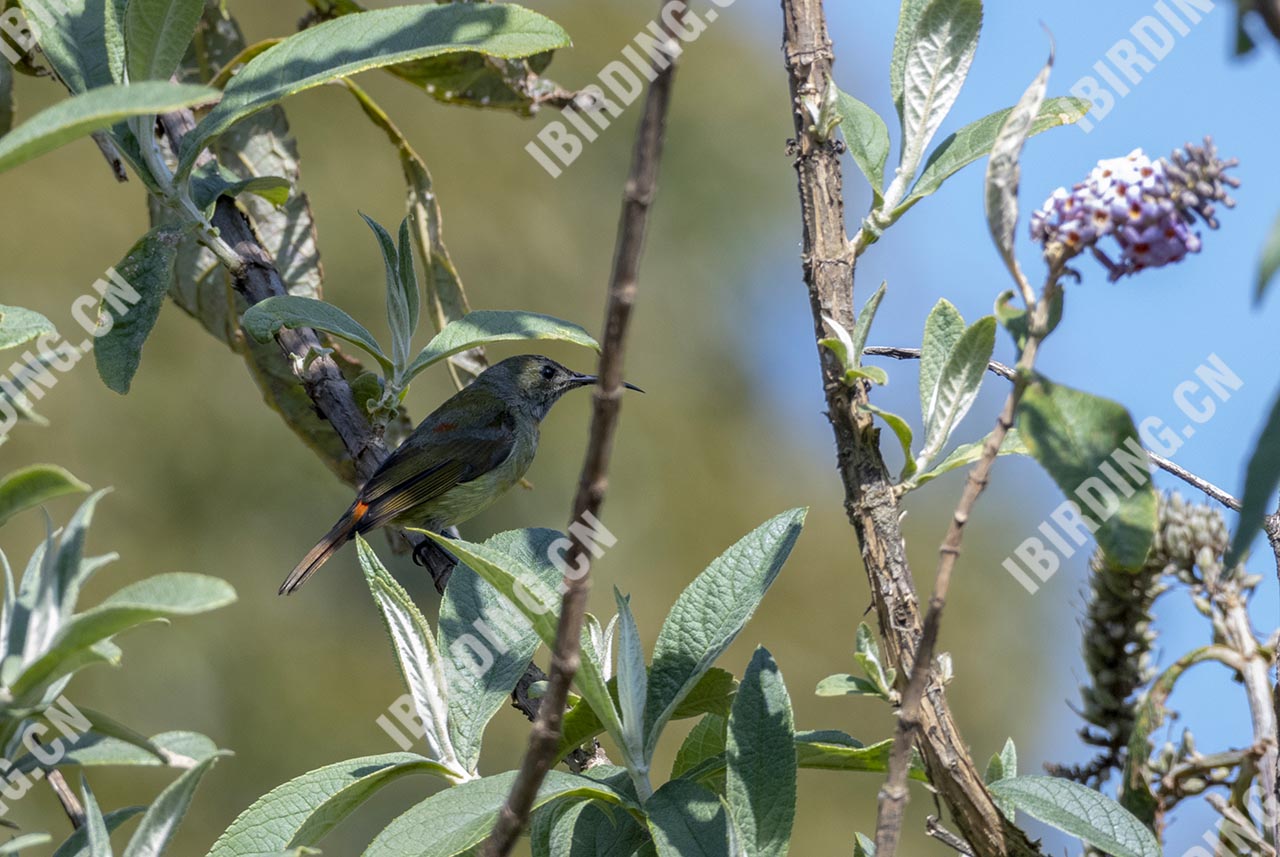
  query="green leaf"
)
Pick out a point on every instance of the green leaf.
point(75, 39)
point(446, 299)
point(176, 594)
point(479, 672)
point(942, 329)
point(847, 685)
point(1015, 319)
point(34, 486)
point(77, 844)
point(633, 680)
point(862, 324)
point(862, 846)
point(974, 141)
point(399, 299)
point(1003, 170)
point(419, 661)
point(28, 840)
point(265, 318)
point(866, 137)
point(1001, 766)
point(711, 612)
point(705, 741)
point(355, 43)
point(1073, 434)
point(156, 35)
point(94, 749)
point(580, 829)
point(461, 817)
point(143, 281)
point(484, 327)
point(81, 115)
point(301, 812)
point(902, 431)
point(958, 385)
point(968, 453)
point(688, 820)
point(95, 826)
point(867, 653)
point(874, 374)
point(1080, 811)
point(214, 180)
point(937, 62)
point(539, 602)
point(829, 750)
point(908, 21)
point(469, 79)
point(712, 695)
point(7, 102)
point(1269, 264)
point(19, 325)
point(761, 785)
point(826, 750)
point(161, 820)
point(1262, 478)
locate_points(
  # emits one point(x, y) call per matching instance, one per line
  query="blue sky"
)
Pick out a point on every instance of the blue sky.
point(1134, 341)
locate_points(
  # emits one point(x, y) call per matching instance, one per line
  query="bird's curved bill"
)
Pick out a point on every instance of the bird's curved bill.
point(584, 380)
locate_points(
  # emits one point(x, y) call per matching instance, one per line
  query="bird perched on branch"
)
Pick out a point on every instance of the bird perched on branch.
point(459, 460)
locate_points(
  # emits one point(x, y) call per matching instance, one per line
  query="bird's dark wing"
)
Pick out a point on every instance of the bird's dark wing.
point(441, 453)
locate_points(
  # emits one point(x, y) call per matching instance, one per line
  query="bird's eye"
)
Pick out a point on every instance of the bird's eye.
point(548, 372)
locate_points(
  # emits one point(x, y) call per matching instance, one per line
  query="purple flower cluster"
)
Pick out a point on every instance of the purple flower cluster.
point(1146, 206)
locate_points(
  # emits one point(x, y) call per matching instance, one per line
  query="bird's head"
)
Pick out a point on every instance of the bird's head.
point(536, 382)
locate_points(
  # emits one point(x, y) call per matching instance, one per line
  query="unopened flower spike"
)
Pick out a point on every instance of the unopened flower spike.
point(1149, 209)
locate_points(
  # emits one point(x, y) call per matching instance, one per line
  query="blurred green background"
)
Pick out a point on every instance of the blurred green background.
point(207, 479)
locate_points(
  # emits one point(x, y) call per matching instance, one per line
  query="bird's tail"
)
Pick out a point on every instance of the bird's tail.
point(342, 532)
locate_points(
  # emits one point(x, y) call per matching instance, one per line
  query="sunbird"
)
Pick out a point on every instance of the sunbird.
point(460, 459)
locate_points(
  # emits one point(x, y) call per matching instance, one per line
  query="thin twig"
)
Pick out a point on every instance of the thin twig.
point(894, 794)
point(934, 828)
point(1211, 490)
point(70, 803)
point(638, 196)
point(870, 502)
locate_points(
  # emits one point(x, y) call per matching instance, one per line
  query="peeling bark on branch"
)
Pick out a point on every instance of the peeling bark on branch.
point(869, 499)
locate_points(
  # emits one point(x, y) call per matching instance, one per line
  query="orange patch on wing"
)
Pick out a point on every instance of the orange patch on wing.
point(360, 509)
point(443, 427)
